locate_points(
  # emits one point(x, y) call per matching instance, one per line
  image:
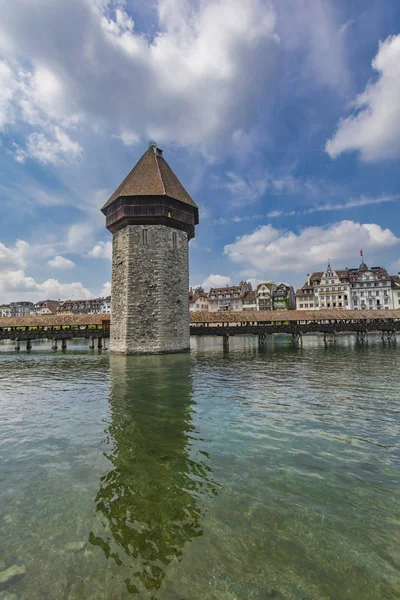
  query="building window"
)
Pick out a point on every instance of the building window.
point(145, 236)
point(174, 239)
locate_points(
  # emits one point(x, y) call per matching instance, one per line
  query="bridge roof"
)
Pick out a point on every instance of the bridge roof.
point(53, 320)
point(259, 316)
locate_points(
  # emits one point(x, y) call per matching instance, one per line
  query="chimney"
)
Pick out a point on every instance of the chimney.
point(308, 279)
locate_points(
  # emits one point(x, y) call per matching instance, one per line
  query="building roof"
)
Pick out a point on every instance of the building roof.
point(250, 297)
point(152, 176)
point(194, 296)
point(233, 289)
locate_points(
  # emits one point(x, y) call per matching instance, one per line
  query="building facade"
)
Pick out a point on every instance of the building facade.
point(106, 306)
point(198, 301)
point(45, 307)
point(264, 295)
point(372, 288)
point(250, 301)
point(81, 307)
point(333, 289)
point(358, 288)
point(21, 309)
point(5, 310)
point(152, 218)
point(228, 297)
point(284, 298)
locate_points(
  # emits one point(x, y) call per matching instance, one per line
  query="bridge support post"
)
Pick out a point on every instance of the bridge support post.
point(297, 339)
point(329, 337)
point(99, 343)
point(64, 344)
point(362, 337)
point(91, 343)
point(28, 345)
point(262, 340)
point(17, 346)
point(225, 341)
point(54, 347)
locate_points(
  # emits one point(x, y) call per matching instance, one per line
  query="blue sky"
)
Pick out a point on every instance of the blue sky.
point(281, 118)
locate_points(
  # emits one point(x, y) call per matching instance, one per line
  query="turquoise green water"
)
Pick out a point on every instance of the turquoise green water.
point(219, 475)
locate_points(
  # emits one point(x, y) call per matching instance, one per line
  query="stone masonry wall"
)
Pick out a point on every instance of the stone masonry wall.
point(149, 294)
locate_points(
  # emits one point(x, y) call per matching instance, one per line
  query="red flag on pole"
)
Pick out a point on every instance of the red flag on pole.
point(361, 252)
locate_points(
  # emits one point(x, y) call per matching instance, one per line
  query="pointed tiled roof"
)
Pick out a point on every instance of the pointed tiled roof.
point(152, 176)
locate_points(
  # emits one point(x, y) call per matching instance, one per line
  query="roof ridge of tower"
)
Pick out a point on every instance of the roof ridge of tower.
point(151, 176)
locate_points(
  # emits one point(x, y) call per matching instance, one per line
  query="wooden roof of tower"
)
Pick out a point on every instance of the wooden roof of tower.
point(152, 176)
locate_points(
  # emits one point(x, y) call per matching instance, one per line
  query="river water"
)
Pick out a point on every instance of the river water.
point(218, 475)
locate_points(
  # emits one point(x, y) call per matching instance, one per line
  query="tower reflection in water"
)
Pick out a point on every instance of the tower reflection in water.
point(154, 495)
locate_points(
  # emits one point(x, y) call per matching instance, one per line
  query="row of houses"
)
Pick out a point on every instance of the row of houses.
point(358, 288)
point(267, 296)
point(53, 307)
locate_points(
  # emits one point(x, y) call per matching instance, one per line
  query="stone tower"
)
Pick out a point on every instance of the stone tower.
point(152, 218)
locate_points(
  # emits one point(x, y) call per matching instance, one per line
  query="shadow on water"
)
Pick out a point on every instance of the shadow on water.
point(152, 496)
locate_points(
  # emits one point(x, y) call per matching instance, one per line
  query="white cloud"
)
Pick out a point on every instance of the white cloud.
point(79, 237)
point(59, 262)
point(101, 250)
point(16, 285)
point(14, 257)
point(51, 149)
point(213, 49)
point(245, 191)
point(314, 28)
point(216, 281)
point(374, 129)
point(128, 138)
point(270, 249)
point(105, 290)
point(7, 91)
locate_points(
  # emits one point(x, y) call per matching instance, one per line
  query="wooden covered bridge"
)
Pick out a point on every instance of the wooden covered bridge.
point(96, 328)
point(296, 323)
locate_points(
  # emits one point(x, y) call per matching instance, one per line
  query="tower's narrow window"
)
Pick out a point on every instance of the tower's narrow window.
point(174, 239)
point(145, 233)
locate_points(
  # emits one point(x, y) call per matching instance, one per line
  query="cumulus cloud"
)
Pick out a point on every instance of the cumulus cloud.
point(79, 237)
point(16, 285)
point(213, 49)
point(216, 281)
point(105, 290)
point(14, 257)
point(374, 128)
point(60, 262)
point(101, 250)
point(271, 249)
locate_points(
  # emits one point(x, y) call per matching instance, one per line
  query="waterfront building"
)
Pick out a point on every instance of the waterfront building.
point(152, 218)
point(81, 307)
point(228, 297)
point(250, 301)
point(305, 296)
point(105, 308)
point(395, 300)
point(198, 301)
point(264, 295)
point(21, 309)
point(45, 307)
point(5, 310)
point(284, 297)
point(372, 288)
point(333, 289)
